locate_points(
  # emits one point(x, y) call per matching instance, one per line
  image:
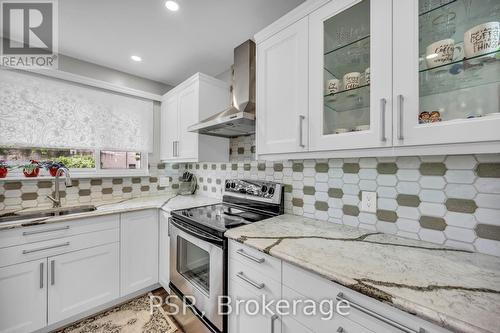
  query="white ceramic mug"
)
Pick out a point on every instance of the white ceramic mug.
point(367, 75)
point(482, 39)
point(440, 53)
point(332, 86)
point(351, 80)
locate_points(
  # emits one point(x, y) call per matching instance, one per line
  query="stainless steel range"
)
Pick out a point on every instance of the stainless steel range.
point(198, 248)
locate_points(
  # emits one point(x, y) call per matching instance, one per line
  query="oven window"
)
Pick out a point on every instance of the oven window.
point(193, 263)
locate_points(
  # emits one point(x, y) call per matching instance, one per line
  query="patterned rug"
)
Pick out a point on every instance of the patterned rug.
point(131, 317)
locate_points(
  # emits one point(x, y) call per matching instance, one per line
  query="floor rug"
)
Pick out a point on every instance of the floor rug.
point(131, 317)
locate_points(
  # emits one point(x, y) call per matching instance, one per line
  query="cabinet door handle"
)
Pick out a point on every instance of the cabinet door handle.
point(341, 297)
point(52, 272)
point(45, 248)
point(400, 116)
point(173, 148)
point(28, 233)
point(177, 148)
point(383, 102)
point(301, 131)
point(41, 275)
point(241, 252)
point(247, 280)
point(273, 319)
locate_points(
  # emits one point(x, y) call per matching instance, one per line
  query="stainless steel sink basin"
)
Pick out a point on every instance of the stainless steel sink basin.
point(49, 212)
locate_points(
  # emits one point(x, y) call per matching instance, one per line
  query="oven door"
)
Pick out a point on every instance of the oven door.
point(197, 267)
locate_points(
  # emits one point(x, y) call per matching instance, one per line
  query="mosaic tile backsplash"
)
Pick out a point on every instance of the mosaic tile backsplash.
point(450, 200)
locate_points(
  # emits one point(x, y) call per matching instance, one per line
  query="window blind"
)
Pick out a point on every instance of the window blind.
point(37, 111)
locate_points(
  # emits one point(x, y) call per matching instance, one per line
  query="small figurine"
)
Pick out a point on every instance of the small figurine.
point(424, 117)
point(435, 117)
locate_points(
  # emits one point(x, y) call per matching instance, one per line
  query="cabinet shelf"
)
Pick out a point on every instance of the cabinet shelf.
point(461, 74)
point(437, 8)
point(349, 100)
point(353, 57)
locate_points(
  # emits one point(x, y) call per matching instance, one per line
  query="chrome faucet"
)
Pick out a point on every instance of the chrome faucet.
point(56, 200)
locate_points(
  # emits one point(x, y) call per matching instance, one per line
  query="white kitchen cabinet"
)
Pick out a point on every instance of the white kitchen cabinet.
point(139, 250)
point(243, 321)
point(164, 251)
point(350, 47)
point(468, 85)
point(282, 91)
point(23, 297)
point(196, 99)
point(368, 83)
point(289, 325)
point(81, 280)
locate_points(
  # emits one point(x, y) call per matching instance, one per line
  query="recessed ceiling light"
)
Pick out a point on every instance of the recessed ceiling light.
point(136, 58)
point(172, 5)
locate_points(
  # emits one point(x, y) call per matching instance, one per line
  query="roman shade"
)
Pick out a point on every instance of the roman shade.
point(38, 111)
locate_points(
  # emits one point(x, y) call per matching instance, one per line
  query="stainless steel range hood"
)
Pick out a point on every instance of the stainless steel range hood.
point(239, 118)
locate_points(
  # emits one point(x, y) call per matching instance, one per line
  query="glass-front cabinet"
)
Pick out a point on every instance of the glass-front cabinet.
point(350, 75)
point(446, 71)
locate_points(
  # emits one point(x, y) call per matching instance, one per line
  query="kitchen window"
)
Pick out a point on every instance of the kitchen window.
point(81, 162)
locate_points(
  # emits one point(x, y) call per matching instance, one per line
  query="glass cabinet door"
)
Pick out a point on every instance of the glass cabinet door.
point(350, 75)
point(454, 95)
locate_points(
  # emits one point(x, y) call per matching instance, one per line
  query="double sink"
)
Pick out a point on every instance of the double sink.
point(45, 213)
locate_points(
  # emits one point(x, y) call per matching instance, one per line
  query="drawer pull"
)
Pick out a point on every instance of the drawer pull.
point(41, 275)
point(27, 233)
point(340, 297)
point(247, 280)
point(45, 248)
point(241, 252)
point(273, 319)
point(53, 272)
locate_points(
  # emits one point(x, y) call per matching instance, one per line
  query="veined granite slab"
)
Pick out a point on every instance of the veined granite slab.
point(166, 202)
point(455, 289)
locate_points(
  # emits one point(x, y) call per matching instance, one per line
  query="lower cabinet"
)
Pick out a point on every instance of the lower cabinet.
point(164, 251)
point(290, 325)
point(242, 320)
point(23, 297)
point(79, 281)
point(139, 250)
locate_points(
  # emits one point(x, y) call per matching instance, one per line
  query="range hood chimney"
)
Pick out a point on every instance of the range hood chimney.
point(239, 118)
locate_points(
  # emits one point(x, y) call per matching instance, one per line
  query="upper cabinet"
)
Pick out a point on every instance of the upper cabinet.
point(350, 75)
point(282, 91)
point(197, 98)
point(385, 77)
point(446, 71)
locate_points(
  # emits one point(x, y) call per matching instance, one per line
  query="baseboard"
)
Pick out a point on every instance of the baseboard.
point(96, 310)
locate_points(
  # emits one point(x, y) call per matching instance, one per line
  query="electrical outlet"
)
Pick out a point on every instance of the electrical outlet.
point(369, 202)
point(164, 181)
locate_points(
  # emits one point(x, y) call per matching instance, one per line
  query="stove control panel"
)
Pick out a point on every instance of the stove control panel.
point(254, 188)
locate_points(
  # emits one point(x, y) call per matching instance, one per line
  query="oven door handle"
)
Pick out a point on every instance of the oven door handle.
point(197, 233)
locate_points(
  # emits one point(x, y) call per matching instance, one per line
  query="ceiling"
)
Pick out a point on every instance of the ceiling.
point(200, 37)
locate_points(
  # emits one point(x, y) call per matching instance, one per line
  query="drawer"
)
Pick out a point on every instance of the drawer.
point(255, 260)
point(253, 280)
point(43, 232)
point(371, 313)
point(33, 251)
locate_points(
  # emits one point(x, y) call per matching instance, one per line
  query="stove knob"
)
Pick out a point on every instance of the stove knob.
point(263, 189)
point(228, 185)
point(242, 190)
point(233, 185)
point(271, 190)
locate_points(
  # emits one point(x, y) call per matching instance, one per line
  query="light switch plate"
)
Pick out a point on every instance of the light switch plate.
point(369, 201)
point(164, 181)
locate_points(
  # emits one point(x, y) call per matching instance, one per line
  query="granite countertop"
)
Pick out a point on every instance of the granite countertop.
point(166, 202)
point(455, 289)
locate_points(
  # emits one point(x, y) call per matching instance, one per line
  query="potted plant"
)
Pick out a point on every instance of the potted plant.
point(4, 168)
point(52, 167)
point(31, 169)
